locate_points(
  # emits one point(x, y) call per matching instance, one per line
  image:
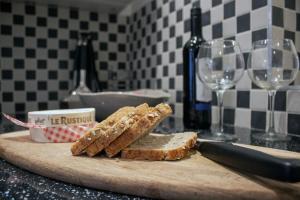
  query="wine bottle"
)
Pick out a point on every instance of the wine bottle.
point(196, 97)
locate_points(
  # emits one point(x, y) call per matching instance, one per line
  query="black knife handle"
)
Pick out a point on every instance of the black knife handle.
point(252, 161)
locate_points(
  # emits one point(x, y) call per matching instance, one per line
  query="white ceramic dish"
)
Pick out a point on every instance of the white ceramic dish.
point(106, 103)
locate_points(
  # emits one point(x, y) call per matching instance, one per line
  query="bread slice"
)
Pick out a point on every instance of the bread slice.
point(144, 125)
point(116, 130)
point(161, 146)
point(101, 129)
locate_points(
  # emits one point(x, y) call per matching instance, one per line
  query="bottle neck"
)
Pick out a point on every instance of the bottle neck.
point(196, 26)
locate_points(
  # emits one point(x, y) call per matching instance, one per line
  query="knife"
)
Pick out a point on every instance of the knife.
point(251, 161)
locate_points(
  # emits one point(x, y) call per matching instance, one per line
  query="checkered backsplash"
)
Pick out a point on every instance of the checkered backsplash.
point(37, 43)
point(37, 46)
point(160, 29)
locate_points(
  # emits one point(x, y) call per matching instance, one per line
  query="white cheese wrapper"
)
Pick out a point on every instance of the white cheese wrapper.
point(57, 121)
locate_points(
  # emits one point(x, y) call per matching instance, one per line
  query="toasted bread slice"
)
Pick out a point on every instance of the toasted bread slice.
point(101, 128)
point(161, 146)
point(102, 142)
point(144, 125)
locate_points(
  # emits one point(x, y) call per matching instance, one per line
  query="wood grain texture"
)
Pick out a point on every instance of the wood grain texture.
point(193, 178)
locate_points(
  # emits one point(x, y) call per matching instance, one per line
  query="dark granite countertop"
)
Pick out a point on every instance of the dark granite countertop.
point(16, 183)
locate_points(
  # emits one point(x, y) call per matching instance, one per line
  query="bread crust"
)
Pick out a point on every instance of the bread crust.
point(99, 130)
point(160, 154)
point(141, 127)
point(109, 136)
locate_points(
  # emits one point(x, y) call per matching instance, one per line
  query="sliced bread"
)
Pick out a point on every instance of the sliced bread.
point(144, 125)
point(161, 146)
point(102, 129)
point(116, 130)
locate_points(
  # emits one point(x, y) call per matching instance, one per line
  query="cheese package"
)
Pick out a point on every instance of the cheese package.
point(60, 125)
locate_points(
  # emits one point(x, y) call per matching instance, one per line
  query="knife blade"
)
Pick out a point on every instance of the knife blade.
point(251, 161)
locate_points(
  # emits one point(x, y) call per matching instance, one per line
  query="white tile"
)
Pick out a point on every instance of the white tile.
point(179, 83)
point(289, 17)
point(244, 83)
point(259, 100)
point(229, 27)
point(293, 101)
point(242, 118)
point(178, 110)
point(278, 3)
point(205, 4)
point(207, 32)
point(298, 6)
point(280, 122)
point(259, 18)
point(245, 40)
point(242, 7)
point(214, 115)
point(277, 33)
point(230, 99)
point(217, 14)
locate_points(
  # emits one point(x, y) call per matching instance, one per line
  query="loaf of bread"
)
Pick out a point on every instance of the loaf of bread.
point(116, 130)
point(116, 122)
point(161, 146)
point(144, 124)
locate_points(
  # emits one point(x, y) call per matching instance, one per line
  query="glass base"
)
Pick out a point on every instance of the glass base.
point(221, 137)
point(271, 137)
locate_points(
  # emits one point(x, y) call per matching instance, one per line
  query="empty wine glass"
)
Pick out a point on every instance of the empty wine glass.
point(272, 64)
point(220, 66)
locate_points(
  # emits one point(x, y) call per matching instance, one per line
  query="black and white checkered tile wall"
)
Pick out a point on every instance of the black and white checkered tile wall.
point(37, 44)
point(160, 29)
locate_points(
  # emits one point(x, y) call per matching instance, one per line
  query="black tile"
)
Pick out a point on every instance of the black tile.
point(19, 85)
point(293, 124)
point(63, 64)
point(112, 37)
point(153, 72)
point(280, 101)
point(93, 16)
point(74, 14)
point(7, 97)
point(172, 31)
point(259, 35)
point(165, 21)
point(158, 60)
point(31, 96)
point(291, 4)
point(172, 6)
point(63, 23)
point(153, 5)
point(30, 53)
point(179, 42)
point(52, 96)
point(63, 44)
point(52, 53)
point(5, 6)
point(73, 34)
point(30, 9)
point(214, 100)
point(243, 23)
point(112, 18)
point(258, 119)
point(158, 37)
point(52, 75)
point(171, 83)
point(41, 43)
point(217, 30)
point(165, 70)
point(42, 64)
point(165, 46)
point(19, 64)
point(52, 11)
point(121, 29)
point(121, 65)
point(103, 46)
point(63, 85)
point(187, 26)
point(216, 2)
point(42, 85)
point(18, 20)
point(43, 106)
point(19, 107)
point(229, 9)
point(52, 33)
point(179, 69)
point(205, 18)
point(7, 74)
point(6, 52)
point(258, 4)
point(153, 27)
point(186, 2)
point(30, 31)
point(6, 30)
point(84, 25)
point(298, 21)
point(41, 21)
point(30, 75)
point(172, 57)
point(179, 15)
point(158, 13)
point(228, 116)
point(179, 96)
point(158, 83)
point(103, 27)
point(112, 56)
point(243, 99)
point(277, 16)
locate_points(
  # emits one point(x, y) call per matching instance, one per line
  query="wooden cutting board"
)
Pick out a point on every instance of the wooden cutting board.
point(192, 178)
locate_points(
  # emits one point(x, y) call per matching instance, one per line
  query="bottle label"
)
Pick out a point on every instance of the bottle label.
point(203, 94)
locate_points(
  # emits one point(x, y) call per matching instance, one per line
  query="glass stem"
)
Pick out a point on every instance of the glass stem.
point(271, 128)
point(220, 94)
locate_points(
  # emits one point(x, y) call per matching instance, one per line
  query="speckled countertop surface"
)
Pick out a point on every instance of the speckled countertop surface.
point(16, 183)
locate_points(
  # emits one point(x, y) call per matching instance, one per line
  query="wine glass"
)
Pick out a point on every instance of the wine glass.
point(272, 64)
point(220, 66)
